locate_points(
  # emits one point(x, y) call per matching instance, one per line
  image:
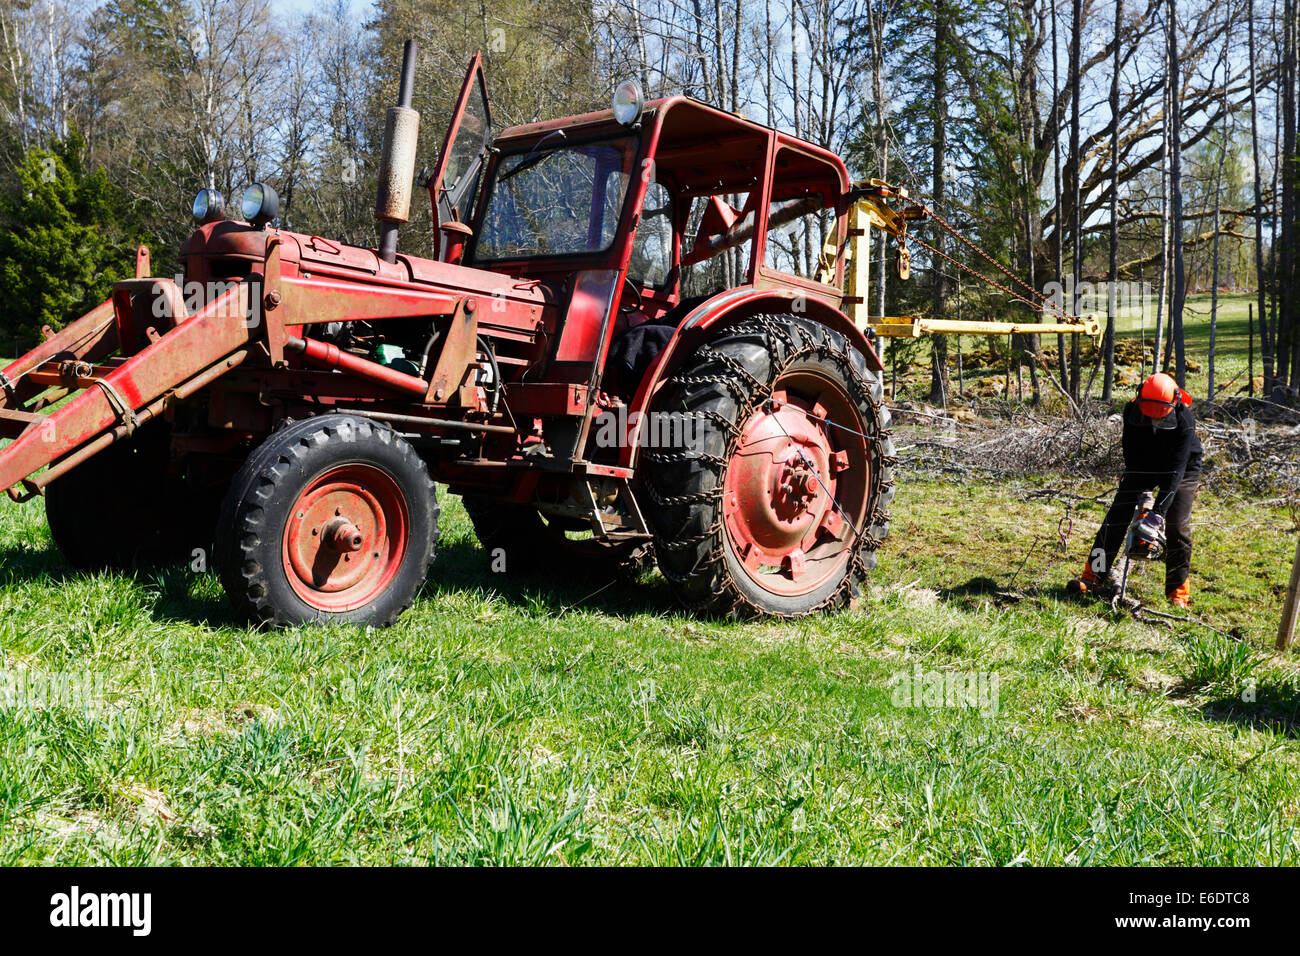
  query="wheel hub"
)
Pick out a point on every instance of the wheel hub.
point(340, 534)
point(345, 537)
point(798, 487)
point(781, 491)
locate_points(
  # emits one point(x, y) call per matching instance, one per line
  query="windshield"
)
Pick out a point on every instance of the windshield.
point(555, 202)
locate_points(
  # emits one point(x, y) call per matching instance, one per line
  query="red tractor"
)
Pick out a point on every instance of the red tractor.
point(563, 364)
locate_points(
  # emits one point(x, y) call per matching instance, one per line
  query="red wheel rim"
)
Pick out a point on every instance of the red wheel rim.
point(795, 490)
point(345, 537)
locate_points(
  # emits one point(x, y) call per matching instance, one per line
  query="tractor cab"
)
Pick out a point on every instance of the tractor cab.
point(637, 214)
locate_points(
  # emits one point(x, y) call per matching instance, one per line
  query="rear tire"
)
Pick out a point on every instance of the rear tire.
point(778, 504)
point(334, 518)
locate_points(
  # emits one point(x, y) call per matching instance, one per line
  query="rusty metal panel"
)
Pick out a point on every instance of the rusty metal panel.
point(307, 301)
point(459, 350)
point(546, 398)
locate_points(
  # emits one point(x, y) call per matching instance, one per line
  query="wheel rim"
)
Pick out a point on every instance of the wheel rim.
point(795, 489)
point(345, 538)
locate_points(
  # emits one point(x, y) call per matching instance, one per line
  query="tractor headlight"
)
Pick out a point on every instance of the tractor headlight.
point(629, 101)
point(209, 206)
point(260, 204)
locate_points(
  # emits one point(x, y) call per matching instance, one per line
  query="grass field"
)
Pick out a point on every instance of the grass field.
point(1232, 340)
point(1232, 348)
point(509, 720)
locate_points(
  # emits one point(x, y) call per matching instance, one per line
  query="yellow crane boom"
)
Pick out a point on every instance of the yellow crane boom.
point(871, 209)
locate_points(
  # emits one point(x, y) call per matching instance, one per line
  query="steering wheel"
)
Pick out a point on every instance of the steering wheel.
point(627, 281)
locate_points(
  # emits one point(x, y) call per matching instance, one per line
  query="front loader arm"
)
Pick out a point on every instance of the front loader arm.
point(117, 398)
point(166, 354)
point(90, 338)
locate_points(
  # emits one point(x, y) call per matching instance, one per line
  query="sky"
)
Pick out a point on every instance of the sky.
point(290, 7)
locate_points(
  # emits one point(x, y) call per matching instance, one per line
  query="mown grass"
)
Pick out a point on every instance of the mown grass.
point(509, 719)
point(1232, 348)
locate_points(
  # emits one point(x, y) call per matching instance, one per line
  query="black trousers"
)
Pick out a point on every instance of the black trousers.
point(1178, 527)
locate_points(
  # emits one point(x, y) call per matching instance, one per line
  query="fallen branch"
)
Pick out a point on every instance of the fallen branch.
point(1058, 493)
point(1143, 609)
point(939, 418)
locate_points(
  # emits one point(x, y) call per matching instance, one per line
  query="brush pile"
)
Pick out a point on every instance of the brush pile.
point(1250, 445)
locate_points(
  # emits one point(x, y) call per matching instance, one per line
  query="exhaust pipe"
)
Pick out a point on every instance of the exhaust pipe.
point(397, 164)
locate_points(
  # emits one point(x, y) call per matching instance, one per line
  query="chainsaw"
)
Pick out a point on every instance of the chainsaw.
point(1144, 540)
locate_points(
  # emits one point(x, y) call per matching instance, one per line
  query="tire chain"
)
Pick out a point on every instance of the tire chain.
point(774, 331)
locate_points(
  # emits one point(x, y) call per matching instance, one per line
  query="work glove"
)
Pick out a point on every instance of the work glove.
point(1154, 523)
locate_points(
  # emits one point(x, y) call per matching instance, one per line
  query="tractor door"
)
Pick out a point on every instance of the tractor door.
point(454, 184)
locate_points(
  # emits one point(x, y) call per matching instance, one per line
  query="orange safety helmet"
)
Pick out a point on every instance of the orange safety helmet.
point(1160, 395)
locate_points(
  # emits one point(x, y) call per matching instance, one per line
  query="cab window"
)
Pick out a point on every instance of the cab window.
point(563, 201)
point(652, 251)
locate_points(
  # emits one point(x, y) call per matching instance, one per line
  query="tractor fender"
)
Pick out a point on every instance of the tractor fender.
point(727, 308)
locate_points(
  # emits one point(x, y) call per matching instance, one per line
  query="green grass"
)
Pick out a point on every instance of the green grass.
point(1232, 351)
point(1232, 340)
point(508, 720)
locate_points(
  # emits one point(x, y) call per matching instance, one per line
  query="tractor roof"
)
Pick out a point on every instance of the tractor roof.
point(705, 150)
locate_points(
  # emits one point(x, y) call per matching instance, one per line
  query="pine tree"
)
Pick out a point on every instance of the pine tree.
point(61, 243)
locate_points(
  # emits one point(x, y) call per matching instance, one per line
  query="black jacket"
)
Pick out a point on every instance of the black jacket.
point(1160, 457)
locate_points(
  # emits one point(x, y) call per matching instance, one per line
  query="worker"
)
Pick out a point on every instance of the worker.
point(1161, 451)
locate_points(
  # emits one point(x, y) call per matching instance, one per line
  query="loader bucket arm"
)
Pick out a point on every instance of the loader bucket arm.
point(89, 338)
point(114, 399)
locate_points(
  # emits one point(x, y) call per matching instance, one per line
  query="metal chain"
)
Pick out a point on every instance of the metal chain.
point(1063, 529)
point(863, 540)
point(1043, 306)
point(948, 227)
point(1040, 309)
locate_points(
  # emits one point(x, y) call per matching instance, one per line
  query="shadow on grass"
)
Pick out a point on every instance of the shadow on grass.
point(171, 585)
point(176, 601)
point(979, 590)
point(29, 564)
point(1276, 709)
point(459, 565)
point(975, 587)
point(462, 565)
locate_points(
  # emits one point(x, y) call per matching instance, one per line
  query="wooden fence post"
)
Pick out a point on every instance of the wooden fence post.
point(1291, 607)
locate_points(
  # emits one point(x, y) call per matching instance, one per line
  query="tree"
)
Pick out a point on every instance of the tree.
point(1076, 163)
point(1218, 205)
point(1261, 312)
point(61, 243)
point(1287, 237)
point(1057, 195)
point(939, 387)
point(1108, 344)
point(1178, 275)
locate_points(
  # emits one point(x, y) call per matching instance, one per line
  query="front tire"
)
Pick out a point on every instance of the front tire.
point(778, 503)
point(332, 519)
